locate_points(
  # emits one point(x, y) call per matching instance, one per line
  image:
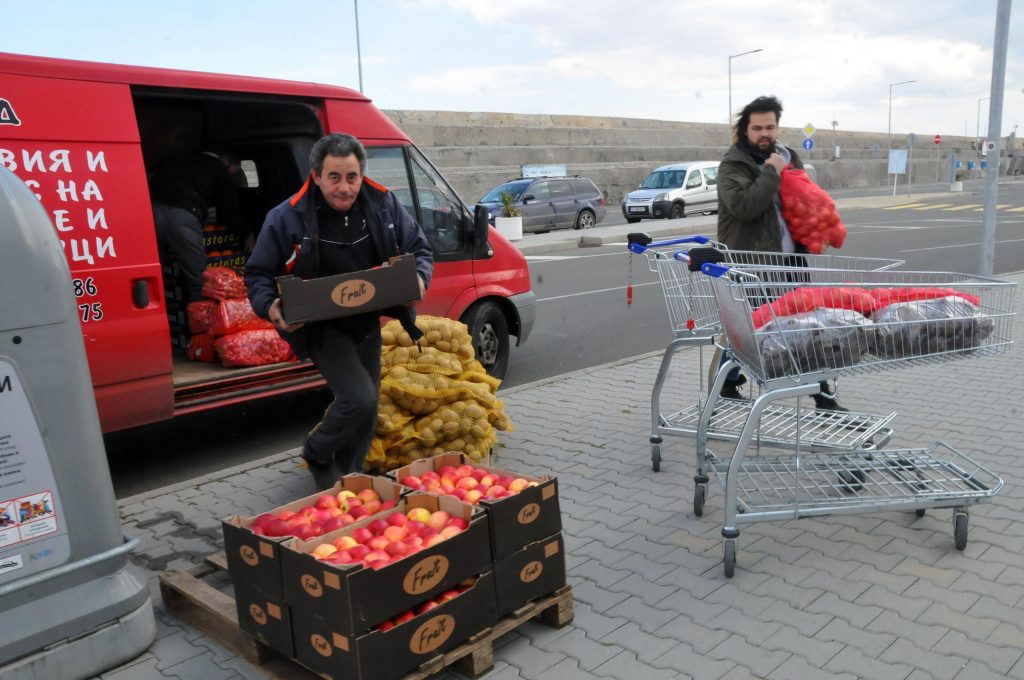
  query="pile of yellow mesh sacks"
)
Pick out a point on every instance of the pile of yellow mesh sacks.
point(435, 397)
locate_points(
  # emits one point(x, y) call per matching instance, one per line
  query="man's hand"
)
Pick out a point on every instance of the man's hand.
point(777, 162)
point(277, 318)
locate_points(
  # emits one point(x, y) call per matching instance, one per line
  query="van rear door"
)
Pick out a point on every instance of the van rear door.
point(76, 145)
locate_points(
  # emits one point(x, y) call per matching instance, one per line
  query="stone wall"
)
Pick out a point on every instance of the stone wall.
point(477, 151)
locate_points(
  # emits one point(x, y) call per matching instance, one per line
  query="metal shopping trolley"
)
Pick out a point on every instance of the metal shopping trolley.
point(694, 318)
point(916, 318)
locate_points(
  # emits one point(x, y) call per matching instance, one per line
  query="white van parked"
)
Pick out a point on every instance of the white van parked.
point(674, 191)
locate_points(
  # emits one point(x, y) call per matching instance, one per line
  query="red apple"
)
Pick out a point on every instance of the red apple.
point(263, 520)
point(403, 617)
point(397, 548)
point(367, 495)
point(465, 470)
point(340, 557)
point(411, 481)
point(458, 522)
point(397, 519)
point(358, 511)
point(362, 535)
point(345, 542)
point(429, 475)
point(478, 473)
point(304, 531)
point(377, 543)
point(372, 507)
point(495, 492)
point(458, 493)
point(385, 626)
point(423, 607)
point(285, 514)
point(432, 541)
point(394, 533)
point(323, 550)
point(277, 527)
point(359, 552)
point(448, 532)
point(429, 531)
point(353, 502)
point(414, 528)
point(388, 504)
point(438, 519)
point(517, 485)
point(445, 469)
point(448, 595)
point(327, 501)
point(503, 481)
point(467, 483)
point(378, 526)
point(333, 524)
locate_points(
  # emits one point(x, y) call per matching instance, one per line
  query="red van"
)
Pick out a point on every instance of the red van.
point(85, 136)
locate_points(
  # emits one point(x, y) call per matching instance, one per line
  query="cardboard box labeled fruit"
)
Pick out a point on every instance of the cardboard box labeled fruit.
point(386, 655)
point(515, 521)
point(353, 597)
point(266, 617)
point(254, 560)
point(331, 297)
point(535, 571)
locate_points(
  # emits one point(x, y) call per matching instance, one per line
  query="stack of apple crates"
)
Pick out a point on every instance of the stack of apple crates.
point(326, 616)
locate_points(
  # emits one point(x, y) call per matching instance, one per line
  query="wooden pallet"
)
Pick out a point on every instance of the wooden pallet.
point(196, 602)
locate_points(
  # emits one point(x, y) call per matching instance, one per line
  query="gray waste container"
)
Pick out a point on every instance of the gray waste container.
point(70, 603)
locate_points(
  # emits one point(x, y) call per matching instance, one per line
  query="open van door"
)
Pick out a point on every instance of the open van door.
point(76, 145)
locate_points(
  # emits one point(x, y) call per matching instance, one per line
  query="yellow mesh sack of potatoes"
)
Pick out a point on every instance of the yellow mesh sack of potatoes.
point(400, 381)
point(446, 335)
point(421, 360)
point(390, 417)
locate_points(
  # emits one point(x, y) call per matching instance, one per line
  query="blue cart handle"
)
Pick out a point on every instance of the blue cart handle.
point(716, 270)
point(640, 249)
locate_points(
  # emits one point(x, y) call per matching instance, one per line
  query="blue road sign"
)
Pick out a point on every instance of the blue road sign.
point(808, 144)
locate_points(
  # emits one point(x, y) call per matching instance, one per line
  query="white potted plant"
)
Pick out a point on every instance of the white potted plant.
point(510, 223)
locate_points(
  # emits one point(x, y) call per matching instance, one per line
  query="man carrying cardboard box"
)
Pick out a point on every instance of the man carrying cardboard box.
point(339, 222)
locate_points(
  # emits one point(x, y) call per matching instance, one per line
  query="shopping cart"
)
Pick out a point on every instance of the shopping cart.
point(917, 318)
point(694, 317)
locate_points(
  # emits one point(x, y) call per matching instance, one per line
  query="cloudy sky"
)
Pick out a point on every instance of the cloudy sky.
point(664, 59)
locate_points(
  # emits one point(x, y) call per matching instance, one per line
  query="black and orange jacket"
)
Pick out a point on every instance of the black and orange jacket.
point(289, 242)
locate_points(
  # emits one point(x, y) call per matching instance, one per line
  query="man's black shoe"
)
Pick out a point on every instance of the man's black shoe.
point(823, 403)
point(731, 390)
point(325, 475)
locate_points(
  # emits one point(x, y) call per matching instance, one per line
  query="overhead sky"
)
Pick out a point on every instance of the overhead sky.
point(828, 60)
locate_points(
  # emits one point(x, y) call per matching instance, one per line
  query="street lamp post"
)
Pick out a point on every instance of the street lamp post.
point(731, 57)
point(977, 128)
point(359, 51)
point(892, 85)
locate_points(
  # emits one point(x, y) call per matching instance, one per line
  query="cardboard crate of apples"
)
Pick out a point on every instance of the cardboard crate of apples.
point(522, 508)
point(401, 643)
point(357, 576)
point(252, 546)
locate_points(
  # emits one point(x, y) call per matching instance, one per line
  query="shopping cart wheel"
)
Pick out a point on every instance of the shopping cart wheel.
point(730, 558)
point(960, 529)
point(656, 457)
point(919, 512)
point(699, 493)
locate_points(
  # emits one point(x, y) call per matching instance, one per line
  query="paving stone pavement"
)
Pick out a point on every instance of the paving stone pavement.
point(880, 595)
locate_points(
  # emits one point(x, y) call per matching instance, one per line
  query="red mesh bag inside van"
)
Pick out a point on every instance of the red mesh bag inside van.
point(252, 348)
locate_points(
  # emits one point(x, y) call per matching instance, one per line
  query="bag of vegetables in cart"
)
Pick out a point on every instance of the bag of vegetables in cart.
point(812, 341)
point(810, 212)
point(929, 326)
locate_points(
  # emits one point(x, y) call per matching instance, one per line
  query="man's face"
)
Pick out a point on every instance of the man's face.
point(763, 130)
point(339, 181)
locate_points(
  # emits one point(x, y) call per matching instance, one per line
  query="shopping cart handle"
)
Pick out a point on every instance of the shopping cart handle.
point(640, 248)
point(716, 270)
point(682, 255)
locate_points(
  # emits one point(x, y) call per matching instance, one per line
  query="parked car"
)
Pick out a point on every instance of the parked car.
point(674, 191)
point(547, 203)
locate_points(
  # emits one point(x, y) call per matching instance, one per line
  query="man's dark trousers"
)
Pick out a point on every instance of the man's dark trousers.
point(349, 360)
